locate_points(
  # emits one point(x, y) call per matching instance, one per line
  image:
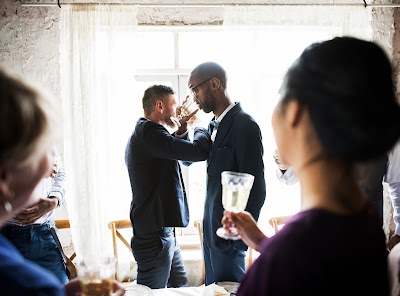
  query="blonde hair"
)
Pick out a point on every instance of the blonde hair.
point(26, 120)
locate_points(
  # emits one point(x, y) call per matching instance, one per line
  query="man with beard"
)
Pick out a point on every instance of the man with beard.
point(237, 146)
point(159, 201)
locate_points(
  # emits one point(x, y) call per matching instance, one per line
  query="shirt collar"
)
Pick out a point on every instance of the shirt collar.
point(219, 119)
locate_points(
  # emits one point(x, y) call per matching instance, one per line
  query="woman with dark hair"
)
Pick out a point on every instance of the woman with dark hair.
point(337, 108)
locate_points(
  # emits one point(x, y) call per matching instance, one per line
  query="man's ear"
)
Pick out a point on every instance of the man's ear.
point(159, 106)
point(215, 83)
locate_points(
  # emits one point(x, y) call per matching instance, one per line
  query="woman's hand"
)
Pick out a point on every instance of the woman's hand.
point(246, 227)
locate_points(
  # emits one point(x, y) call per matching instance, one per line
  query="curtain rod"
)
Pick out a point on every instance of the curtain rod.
point(218, 5)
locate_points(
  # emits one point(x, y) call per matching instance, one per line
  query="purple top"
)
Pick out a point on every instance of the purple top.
point(321, 253)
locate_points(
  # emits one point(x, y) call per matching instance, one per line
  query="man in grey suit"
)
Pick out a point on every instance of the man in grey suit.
point(237, 146)
point(159, 201)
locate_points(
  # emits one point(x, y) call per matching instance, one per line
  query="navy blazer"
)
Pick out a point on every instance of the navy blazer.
point(237, 147)
point(151, 155)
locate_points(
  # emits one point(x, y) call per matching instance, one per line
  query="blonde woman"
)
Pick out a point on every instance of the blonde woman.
point(26, 131)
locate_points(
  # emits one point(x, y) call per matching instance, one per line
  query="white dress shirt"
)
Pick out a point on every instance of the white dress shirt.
point(219, 119)
point(392, 179)
point(48, 187)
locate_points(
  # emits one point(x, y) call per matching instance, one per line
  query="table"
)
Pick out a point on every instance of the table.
point(210, 290)
point(189, 291)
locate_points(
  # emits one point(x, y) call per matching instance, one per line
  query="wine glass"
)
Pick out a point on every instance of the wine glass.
point(96, 274)
point(188, 107)
point(236, 189)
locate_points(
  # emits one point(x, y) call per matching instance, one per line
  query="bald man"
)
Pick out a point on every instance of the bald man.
point(237, 146)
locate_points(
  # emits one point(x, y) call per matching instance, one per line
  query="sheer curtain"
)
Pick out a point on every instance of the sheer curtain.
point(271, 38)
point(96, 76)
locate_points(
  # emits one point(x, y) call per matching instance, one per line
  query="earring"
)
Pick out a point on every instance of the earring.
point(10, 194)
point(7, 206)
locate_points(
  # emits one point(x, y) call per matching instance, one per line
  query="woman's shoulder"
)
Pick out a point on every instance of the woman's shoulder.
point(19, 276)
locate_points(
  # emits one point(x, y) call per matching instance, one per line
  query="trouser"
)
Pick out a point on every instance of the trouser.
point(159, 260)
point(222, 266)
point(36, 244)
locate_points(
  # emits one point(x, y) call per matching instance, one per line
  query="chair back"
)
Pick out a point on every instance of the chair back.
point(70, 265)
point(64, 224)
point(115, 226)
point(276, 222)
point(197, 224)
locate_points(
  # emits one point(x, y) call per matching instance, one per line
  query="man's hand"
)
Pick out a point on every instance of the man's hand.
point(54, 170)
point(42, 207)
point(183, 120)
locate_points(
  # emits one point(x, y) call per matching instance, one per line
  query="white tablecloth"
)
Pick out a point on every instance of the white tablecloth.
point(189, 291)
point(211, 290)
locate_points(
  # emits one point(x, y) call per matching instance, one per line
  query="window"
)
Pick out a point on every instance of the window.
point(255, 62)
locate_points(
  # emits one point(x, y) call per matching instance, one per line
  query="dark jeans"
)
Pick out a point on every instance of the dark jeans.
point(159, 260)
point(223, 266)
point(36, 244)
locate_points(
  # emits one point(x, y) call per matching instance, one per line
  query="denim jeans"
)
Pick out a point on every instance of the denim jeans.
point(36, 244)
point(159, 260)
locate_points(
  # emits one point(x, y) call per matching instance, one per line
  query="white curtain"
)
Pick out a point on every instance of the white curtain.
point(271, 38)
point(95, 78)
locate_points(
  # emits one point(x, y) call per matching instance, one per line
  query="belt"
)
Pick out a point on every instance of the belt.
point(162, 231)
point(8, 228)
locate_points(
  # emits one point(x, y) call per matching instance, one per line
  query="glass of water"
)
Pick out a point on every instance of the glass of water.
point(236, 189)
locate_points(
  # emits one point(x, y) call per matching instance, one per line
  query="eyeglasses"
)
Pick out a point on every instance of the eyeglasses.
point(193, 89)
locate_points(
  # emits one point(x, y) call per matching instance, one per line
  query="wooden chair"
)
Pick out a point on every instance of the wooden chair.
point(197, 224)
point(64, 224)
point(249, 262)
point(275, 222)
point(115, 226)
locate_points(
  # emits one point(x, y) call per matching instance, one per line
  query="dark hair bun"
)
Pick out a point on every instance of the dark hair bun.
point(347, 85)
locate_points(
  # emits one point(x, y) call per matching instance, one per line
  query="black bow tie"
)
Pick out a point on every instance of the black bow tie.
point(214, 123)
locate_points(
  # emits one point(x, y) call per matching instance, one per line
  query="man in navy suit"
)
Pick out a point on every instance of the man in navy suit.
point(237, 146)
point(159, 200)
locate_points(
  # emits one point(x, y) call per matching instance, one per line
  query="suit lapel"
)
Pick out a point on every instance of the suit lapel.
point(223, 129)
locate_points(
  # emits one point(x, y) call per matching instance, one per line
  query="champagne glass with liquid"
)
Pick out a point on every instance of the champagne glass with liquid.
point(236, 189)
point(188, 107)
point(96, 275)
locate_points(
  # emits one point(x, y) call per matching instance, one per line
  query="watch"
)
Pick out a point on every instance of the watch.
point(58, 200)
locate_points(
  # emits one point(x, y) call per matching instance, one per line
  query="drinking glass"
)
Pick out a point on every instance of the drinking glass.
point(96, 275)
point(188, 107)
point(236, 189)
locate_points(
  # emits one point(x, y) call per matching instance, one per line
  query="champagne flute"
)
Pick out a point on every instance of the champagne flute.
point(236, 189)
